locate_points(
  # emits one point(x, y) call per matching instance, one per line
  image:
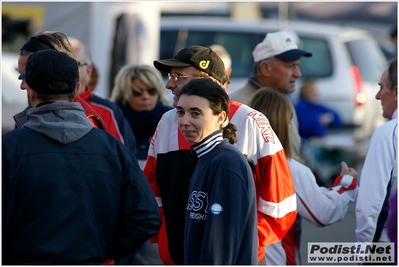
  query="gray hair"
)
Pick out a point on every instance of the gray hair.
point(393, 73)
point(75, 43)
point(256, 69)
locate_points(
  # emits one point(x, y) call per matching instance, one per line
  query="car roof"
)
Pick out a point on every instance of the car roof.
point(226, 24)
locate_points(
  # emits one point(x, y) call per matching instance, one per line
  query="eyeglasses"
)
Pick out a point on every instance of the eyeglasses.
point(176, 77)
point(139, 91)
point(80, 64)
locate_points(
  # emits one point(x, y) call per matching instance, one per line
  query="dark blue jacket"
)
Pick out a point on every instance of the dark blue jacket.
point(221, 217)
point(309, 119)
point(71, 194)
point(143, 123)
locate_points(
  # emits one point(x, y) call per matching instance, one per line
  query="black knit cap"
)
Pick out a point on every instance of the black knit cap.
point(51, 72)
point(35, 44)
point(200, 57)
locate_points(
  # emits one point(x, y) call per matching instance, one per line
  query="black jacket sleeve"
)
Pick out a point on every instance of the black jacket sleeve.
point(139, 218)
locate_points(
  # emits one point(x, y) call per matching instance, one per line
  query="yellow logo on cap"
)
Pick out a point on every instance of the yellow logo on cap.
point(203, 64)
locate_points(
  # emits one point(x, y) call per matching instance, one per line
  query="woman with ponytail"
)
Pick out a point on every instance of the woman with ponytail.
point(221, 218)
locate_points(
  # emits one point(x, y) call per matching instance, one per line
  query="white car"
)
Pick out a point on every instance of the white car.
point(347, 62)
point(14, 99)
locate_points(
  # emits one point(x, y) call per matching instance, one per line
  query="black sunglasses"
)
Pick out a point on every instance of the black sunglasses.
point(139, 91)
point(80, 64)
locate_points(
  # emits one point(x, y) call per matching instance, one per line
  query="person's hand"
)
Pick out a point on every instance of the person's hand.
point(347, 170)
point(326, 118)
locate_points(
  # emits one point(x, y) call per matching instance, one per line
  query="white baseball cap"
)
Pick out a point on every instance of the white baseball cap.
point(281, 45)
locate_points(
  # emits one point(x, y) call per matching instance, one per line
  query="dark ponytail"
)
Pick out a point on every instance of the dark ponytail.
point(229, 132)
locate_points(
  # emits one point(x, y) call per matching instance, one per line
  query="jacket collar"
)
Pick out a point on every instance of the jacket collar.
point(206, 145)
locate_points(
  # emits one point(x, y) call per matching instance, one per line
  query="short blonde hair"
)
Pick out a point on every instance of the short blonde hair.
point(148, 75)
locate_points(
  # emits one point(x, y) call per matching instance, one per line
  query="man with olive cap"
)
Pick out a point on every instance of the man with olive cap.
point(277, 60)
point(170, 162)
point(71, 193)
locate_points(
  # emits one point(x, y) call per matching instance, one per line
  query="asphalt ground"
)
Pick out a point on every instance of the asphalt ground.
point(343, 231)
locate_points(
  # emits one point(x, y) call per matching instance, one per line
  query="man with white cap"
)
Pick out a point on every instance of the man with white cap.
point(277, 60)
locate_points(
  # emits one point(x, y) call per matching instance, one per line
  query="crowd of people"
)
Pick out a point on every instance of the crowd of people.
point(212, 178)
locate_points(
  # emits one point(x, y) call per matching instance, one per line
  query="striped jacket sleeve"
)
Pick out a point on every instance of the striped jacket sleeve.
point(276, 198)
point(322, 206)
point(158, 143)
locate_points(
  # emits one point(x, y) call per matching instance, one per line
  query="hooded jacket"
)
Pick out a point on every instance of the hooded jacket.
point(91, 114)
point(71, 194)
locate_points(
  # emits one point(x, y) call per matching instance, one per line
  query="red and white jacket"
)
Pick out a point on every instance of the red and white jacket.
point(171, 162)
point(106, 114)
point(318, 205)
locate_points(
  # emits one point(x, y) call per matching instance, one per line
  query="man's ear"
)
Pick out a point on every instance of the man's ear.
point(89, 69)
point(264, 68)
point(78, 87)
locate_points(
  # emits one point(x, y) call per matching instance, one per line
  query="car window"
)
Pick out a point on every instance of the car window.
point(366, 55)
point(319, 65)
point(239, 46)
point(167, 44)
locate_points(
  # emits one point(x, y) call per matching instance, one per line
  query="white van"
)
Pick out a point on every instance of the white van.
point(347, 62)
point(14, 99)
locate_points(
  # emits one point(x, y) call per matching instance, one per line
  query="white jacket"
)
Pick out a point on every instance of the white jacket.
point(379, 169)
point(318, 205)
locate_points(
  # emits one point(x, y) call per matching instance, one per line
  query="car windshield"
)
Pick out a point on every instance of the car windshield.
point(319, 65)
point(240, 46)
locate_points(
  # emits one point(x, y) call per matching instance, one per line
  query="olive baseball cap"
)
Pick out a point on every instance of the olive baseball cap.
point(200, 57)
point(51, 72)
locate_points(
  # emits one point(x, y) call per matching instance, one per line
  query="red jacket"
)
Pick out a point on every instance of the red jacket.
point(91, 114)
point(114, 120)
point(104, 113)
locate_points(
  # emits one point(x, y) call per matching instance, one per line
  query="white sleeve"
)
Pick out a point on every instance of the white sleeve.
point(319, 205)
point(377, 171)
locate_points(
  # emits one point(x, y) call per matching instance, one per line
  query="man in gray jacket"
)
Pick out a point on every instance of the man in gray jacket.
point(71, 193)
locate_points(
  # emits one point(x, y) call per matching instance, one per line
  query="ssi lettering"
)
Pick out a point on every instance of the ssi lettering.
point(198, 201)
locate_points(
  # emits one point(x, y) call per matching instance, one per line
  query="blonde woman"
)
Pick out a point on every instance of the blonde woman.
point(318, 205)
point(140, 94)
